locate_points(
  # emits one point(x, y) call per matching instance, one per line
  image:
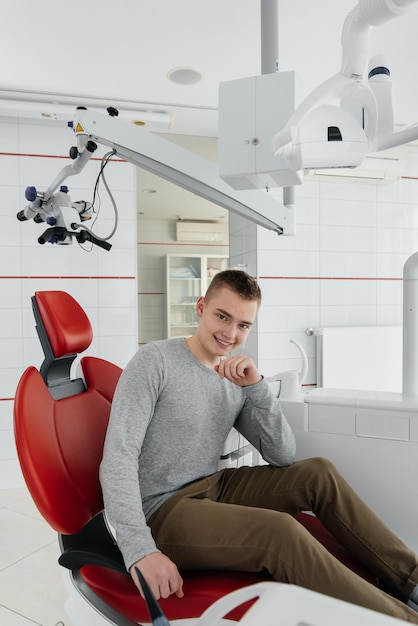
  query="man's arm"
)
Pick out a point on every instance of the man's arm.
point(132, 410)
point(261, 421)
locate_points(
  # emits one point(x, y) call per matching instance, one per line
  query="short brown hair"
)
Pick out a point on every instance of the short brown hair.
point(238, 281)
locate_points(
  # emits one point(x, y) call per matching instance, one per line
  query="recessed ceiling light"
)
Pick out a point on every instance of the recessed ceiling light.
point(184, 76)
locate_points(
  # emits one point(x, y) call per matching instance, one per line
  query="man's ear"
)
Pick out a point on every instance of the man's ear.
point(200, 305)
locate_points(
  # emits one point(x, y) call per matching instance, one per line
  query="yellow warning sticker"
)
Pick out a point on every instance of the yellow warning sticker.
point(79, 128)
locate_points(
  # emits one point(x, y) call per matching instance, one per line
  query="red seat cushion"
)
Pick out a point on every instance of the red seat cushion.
point(202, 589)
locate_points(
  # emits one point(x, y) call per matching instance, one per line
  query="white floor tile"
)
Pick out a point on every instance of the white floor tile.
point(25, 534)
point(9, 496)
point(19, 500)
point(33, 587)
point(10, 618)
point(32, 591)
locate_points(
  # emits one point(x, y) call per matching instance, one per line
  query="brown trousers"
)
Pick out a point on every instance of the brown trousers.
point(242, 519)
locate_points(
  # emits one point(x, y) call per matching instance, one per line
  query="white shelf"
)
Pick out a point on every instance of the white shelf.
point(182, 291)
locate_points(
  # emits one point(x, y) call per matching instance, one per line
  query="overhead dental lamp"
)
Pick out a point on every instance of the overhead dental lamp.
point(328, 137)
point(321, 135)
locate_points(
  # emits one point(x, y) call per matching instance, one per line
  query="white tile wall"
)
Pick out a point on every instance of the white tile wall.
point(243, 254)
point(103, 282)
point(343, 267)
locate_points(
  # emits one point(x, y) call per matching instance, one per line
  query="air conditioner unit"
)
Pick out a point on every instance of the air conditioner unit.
point(382, 167)
point(201, 232)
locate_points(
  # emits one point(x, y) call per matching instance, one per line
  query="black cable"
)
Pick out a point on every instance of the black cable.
point(105, 160)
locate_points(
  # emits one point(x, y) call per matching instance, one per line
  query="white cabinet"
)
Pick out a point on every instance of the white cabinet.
point(187, 278)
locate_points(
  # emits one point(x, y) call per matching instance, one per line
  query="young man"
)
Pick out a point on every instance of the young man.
point(172, 509)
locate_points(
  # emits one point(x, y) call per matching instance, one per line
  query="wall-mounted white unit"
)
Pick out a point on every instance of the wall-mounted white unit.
point(359, 357)
point(201, 232)
point(251, 111)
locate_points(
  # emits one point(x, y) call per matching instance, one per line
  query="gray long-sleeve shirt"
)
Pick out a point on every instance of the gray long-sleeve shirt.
point(169, 421)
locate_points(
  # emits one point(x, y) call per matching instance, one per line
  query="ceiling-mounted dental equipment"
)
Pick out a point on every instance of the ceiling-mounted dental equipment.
point(323, 135)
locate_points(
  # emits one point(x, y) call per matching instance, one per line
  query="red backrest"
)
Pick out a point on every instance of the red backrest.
point(60, 441)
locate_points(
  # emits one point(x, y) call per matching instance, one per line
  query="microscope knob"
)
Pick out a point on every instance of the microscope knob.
point(30, 193)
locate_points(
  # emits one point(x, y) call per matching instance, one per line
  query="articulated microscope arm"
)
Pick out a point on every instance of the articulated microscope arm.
point(154, 154)
point(184, 168)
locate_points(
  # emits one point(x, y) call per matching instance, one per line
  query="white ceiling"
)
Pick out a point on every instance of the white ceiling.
point(106, 52)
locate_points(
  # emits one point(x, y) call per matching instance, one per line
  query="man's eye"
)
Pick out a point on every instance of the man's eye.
point(221, 317)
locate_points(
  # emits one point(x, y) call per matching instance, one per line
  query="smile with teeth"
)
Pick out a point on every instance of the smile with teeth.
point(224, 344)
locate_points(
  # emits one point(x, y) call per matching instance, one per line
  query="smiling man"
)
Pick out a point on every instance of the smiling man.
point(225, 322)
point(171, 508)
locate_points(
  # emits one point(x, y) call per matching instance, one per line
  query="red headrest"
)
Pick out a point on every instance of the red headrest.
point(66, 324)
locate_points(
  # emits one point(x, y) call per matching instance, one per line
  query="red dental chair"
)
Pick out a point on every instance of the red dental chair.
point(60, 422)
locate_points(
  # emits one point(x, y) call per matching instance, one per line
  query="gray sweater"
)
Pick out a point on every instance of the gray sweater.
point(169, 421)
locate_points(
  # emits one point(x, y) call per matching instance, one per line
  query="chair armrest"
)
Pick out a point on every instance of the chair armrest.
point(74, 558)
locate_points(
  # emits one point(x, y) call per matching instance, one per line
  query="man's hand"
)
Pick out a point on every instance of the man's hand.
point(161, 575)
point(240, 370)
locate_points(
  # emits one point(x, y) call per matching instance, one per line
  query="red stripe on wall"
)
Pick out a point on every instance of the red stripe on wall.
point(71, 277)
point(325, 278)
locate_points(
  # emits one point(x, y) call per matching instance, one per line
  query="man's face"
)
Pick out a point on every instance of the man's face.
point(225, 321)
